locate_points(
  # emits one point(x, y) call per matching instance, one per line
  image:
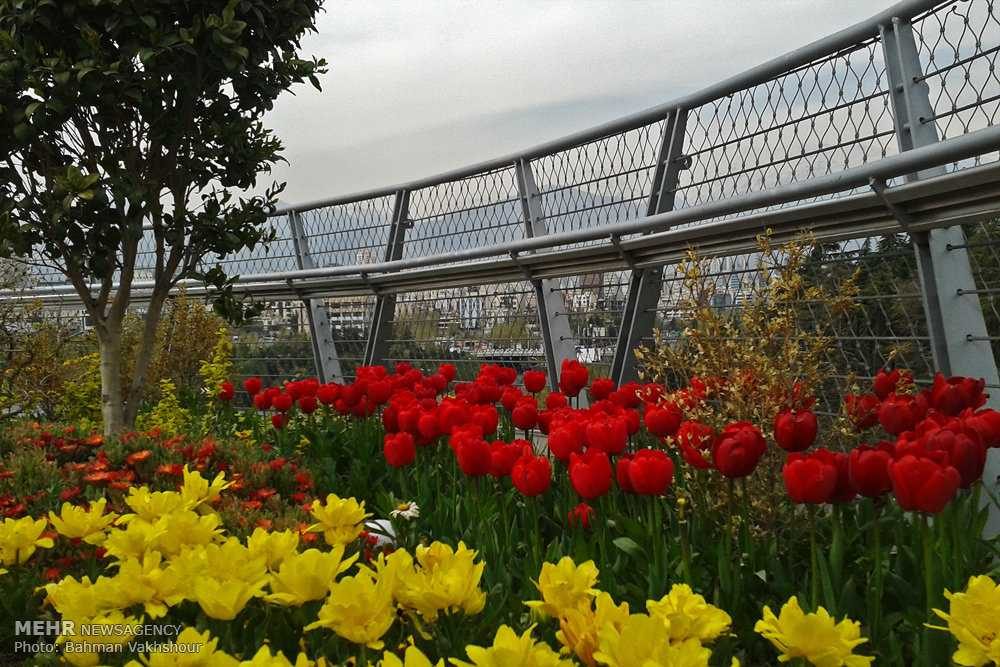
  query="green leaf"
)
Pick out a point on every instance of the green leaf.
point(150, 21)
point(629, 546)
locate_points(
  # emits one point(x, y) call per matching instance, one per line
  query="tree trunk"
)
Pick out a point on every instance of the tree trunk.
point(144, 357)
point(109, 338)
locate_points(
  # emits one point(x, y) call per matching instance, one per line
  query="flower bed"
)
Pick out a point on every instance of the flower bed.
point(407, 518)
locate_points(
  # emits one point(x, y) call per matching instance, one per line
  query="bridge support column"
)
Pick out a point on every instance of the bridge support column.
point(377, 346)
point(955, 320)
point(320, 331)
point(645, 285)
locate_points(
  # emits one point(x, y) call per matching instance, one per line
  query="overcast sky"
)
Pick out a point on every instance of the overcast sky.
point(416, 88)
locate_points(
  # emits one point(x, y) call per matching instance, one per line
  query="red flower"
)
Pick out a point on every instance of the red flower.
point(503, 456)
point(601, 388)
point(525, 415)
point(328, 393)
point(563, 441)
point(474, 457)
point(663, 419)
point(70, 493)
point(226, 391)
point(534, 381)
point(556, 400)
point(279, 420)
point(923, 485)
point(862, 409)
point(138, 457)
point(573, 377)
point(795, 430)
point(954, 394)
point(885, 382)
point(399, 449)
point(282, 402)
point(695, 439)
point(252, 386)
point(170, 469)
point(307, 404)
point(868, 468)
point(608, 434)
point(510, 398)
point(448, 371)
point(809, 478)
point(844, 492)
point(278, 463)
point(964, 447)
point(622, 465)
point(987, 424)
point(651, 472)
point(532, 475)
point(580, 516)
point(262, 401)
point(901, 413)
point(590, 473)
point(427, 426)
point(738, 449)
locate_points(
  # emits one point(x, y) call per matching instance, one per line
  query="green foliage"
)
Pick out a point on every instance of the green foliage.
point(168, 415)
point(80, 396)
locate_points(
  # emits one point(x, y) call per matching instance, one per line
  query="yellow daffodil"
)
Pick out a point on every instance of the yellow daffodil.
point(133, 541)
point(83, 524)
point(274, 546)
point(224, 598)
point(185, 528)
point(145, 582)
point(151, 505)
point(445, 580)
point(199, 651)
point(510, 649)
point(308, 576)
point(77, 599)
point(816, 637)
point(394, 570)
point(690, 616)
point(643, 640)
point(973, 618)
point(578, 628)
point(565, 586)
point(359, 609)
point(19, 538)
point(340, 520)
point(412, 657)
point(198, 492)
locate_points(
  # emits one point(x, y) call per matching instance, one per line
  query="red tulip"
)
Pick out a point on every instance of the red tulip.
point(525, 415)
point(328, 393)
point(556, 400)
point(901, 413)
point(573, 377)
point(532, 475)
point(279, 420)
point(862, 409)
point(262, 401)
point(987, 424)
point(695, 440)
point(809, 478)
point(448, 371)
point(738, 449)
point(601, 388)
point(474, 457)
point(590, 473)
point(608, 434)
point(510, 397)
point(622, 465)
point(399, 449)
point(307, 404)
point(282, 402)
point(964, 447)
point(868, 468)
point(563, 441)
point(664, 419)
point(503, 456)
point(795, 430)
point(252, 386)
point(226, 391)
point(534, 381)
point(580, 516)
point(844, 491)
point(923, 485)
point(651, 472)
point(885, 382)
point(954, 394)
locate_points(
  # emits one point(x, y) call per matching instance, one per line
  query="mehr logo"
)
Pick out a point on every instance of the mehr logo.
point(44, 628)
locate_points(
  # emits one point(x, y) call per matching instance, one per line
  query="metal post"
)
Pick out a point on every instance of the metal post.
point(377, 347)
point(553, 316)
point(639, 316)
point(320, 330)
point(955, 321)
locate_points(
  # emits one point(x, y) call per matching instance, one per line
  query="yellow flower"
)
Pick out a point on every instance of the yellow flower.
point(224, 599)
point(19, 538)
point(199, 652)
point(76, 599)
point(974, 620)
point(359, 609)
point(578, 628)
point(197, 490)
point(413, 657)
point(184, 528)
point(446, 580)
point(274, 546)
point(340, 520)
point(643, 641)
point(511, 650)
point(143, 582)
point(816, 637)
point(83, 524)
point(134, 540)
point(565, 586)
point(690, 616)
point(151, 505)
point(308, 576)
point(264, 658)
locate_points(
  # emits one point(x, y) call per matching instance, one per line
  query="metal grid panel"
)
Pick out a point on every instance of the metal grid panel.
point(355, 233)
point(958, 44)
point(350, 321)
point(983, 246)
point(823, 117)
point(467, 326)
point(278, 255)
point(600, 182)
point(594, 303)
point(479, 210)
point(275, 346)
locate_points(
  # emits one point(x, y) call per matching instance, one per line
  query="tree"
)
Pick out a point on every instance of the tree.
point(115, 116)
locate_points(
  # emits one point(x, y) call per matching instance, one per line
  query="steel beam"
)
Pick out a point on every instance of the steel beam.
point(645, 285)
point(957, 328)
point(320, 330)
point(553, 315)
point(377, 346)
